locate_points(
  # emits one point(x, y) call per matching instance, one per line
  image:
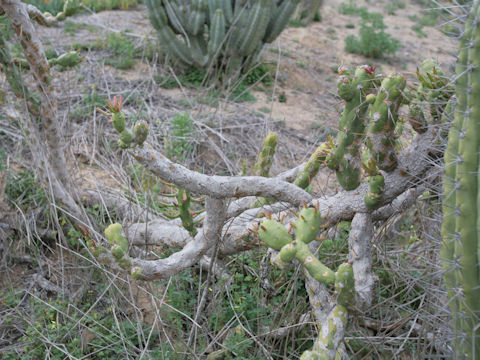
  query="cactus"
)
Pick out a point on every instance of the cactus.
point(380, 137)
point(128, 138)
point(306, 175)
point(225, 34)
point(184, 199)
point(307, 10)
point(345, 158)
point(307, 225)
point(119, 245)
point(432, 96)
point(373, 197)
point(460, 228)
point(265, 158)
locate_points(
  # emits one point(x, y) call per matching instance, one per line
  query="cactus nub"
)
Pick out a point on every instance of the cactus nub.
point(265, 158)
point(185, 212)
point(306, 175)
point(374, 196)
point(274, 234)
point(113, 233)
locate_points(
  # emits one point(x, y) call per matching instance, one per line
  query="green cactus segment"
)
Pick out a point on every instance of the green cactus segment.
point(432, 95)
point(176, 17)
point(287, 253)
point(460, 229)
point(345, 285)
point(117, 252)
point(380, 137)
point(274, 234)
point(374, 196)
point(136, 272)
point(258, 20)
point(211, 33)
point(140, 132)
point(113, 233)
point(307, 225)
point(197, 16)
point(315, 268)
point(67, 60)
point(184, 208)
point(306, 175)
point(307, 10)
point(118, 121)
point(126, 136)
point(331, 334)
point(279, 19)
point(217, 32)
point(346, 156)
point(119, 245)
point(265, 158)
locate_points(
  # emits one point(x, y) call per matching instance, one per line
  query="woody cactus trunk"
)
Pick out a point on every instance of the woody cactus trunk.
point(224, 34)
point(460, 230)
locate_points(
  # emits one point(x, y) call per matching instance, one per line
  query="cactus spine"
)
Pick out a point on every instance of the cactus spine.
point(460, 229)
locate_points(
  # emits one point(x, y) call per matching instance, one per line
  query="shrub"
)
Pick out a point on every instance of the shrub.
point(374, 42)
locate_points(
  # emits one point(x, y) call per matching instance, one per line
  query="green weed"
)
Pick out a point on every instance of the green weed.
point(56, 330)
point(182, 130)
point(373, 42)
point(123, 51)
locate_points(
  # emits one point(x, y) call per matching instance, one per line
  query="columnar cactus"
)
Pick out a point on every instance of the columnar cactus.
point(228, 33)
point(308, 224)
point(460, 228)
point(307, 10)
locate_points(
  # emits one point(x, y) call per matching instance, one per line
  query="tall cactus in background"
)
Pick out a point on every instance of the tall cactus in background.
point(229, 34)
point(461, 225)
point(307, 10)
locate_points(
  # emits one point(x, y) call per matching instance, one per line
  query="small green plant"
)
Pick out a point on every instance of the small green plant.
point(374, 42)
point(72, 27)
point(392, 6)
point(190, 76)
point(241, 93)
point(123, 51)
point(22, 189)
point(260, 73)
point(182, 129)
point(282, 97)
point(351, 8)
point(84, 332)
point(87, 105)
